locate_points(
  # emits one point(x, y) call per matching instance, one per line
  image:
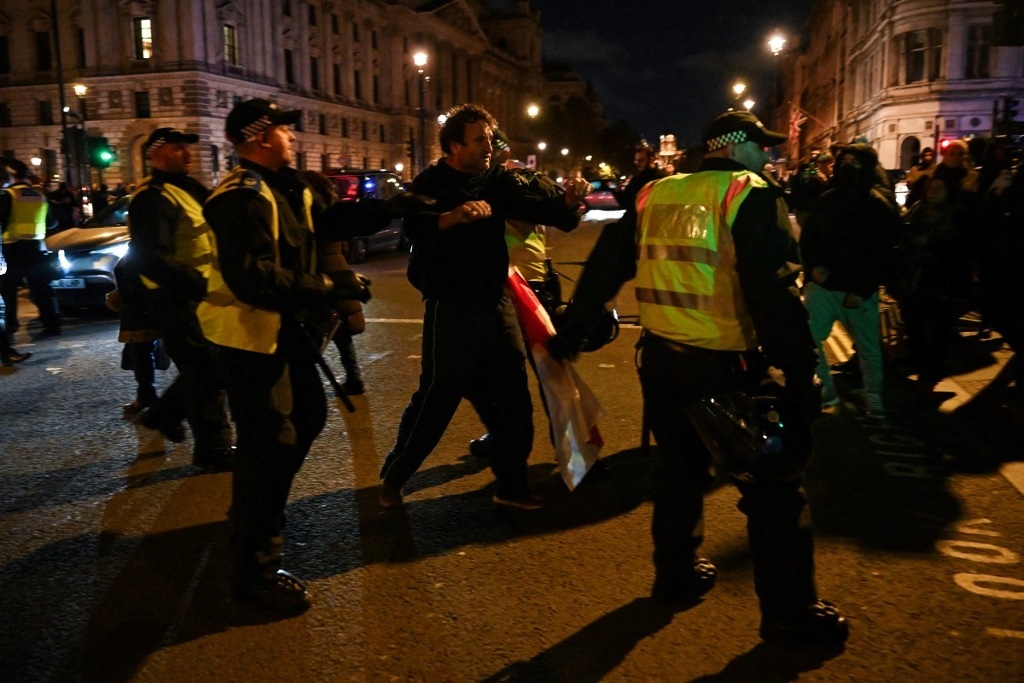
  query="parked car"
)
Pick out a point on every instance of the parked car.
point(354, 186)
point(602, 198)
point(86, 256)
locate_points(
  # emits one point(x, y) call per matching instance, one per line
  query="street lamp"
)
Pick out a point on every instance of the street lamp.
point(748, 104)
point(532, 110)
point(82, 169)
point(738, 88)
point(420, 60)
point(776, 43)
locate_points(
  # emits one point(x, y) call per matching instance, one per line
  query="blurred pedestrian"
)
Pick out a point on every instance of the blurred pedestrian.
point(67, 206)
point(472, 345)
point(646, 171)
point(171, 252)
point(24, 212)
point(923, 169)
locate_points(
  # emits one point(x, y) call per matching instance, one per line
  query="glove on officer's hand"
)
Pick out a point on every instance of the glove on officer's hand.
point(350, 285)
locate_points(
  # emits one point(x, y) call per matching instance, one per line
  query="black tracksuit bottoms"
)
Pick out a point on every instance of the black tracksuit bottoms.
point(473, 351)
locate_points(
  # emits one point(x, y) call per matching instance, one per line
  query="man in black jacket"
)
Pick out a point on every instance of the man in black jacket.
point(472, 346)
point(171, 251)
point(715, 286)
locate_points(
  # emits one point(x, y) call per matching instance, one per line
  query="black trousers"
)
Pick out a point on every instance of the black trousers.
point(472, 351)
point(674, 376)
point(198, 392)
point(27, 262)
point(279, 407)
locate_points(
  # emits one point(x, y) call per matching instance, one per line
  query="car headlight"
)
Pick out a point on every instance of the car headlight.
point(118, 250)
point(65, 265)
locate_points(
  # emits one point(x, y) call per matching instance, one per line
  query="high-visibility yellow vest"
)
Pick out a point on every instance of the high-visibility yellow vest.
point(526, 248)
point(687, 286)
point(193, 243)
point(28, 213)
point(225, 320)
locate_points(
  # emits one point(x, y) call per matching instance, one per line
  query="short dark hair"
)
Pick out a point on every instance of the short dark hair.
point(457, 118)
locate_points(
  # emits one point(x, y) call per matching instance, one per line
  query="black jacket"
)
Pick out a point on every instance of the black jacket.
point(469, 262)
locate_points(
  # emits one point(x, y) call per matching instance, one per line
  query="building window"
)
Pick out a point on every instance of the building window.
point(45, 113)
point(80, 47)
point(357, 84)
point(289, 68)
point(322, 124)
point(286, 7)
point(230, 45)
point(142, 32)
point(365, 130)
point(355, 32)
point(334, 24)
point(5, 56)
point(935, 54)
point(314, 73)
point(344, 127)
point(44, 55)
point(979, 44)
point(142, 110)
point(5, 116)
point(381, 131)
point(916, 53)
point(373, 39)
point(336, 78)
point(312, 15)
point(376, 89)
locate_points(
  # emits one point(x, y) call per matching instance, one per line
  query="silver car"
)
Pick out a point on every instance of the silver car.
point(86, 256)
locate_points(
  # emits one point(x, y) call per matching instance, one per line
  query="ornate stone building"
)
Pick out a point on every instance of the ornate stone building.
point(902, 74)
point(348, 64)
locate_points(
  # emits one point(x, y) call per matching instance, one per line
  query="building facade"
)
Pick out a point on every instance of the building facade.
point(901, 74)
point(347, 64)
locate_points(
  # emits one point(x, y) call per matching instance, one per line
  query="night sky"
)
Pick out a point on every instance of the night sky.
point(667, 66)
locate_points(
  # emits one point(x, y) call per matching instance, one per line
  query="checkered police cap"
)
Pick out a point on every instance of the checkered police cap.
point(735, 127)
point(250, 118)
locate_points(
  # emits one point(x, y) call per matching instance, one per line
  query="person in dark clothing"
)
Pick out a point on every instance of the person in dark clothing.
point(136, 332)
point(918, 175)
point(848, 245)
point(472, 346)
point(67, 207)
point(8, 354)
point(935, 275)
point(715, 284)
point(172, 249)
point(263, 285)
point(646, 171)
point(24, 217)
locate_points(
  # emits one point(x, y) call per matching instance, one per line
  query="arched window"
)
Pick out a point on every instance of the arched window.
point(909, 150)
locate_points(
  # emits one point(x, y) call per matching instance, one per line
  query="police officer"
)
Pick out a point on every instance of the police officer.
point(171, 250)
point(715, 272)
point(23, 218)
point(8, 354)
point(262, 285)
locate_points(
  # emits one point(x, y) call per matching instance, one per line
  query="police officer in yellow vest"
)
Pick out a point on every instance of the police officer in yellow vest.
point(262, 285)
point(23, 218)
point(171, 251)
point(715, 271)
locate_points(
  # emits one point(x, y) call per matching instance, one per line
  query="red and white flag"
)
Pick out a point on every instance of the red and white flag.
point(573, 408)
point(796, 120)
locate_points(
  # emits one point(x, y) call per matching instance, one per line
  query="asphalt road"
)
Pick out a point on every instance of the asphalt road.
point(113, 562)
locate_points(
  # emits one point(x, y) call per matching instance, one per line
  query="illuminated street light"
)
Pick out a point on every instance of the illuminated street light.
point(565, 151)
point(776, 43)
point(441, 118)
point(532, 111)
point(748, 104)
point(542, 145)
point(738, 88)
point(80, 90)
point(399, 167)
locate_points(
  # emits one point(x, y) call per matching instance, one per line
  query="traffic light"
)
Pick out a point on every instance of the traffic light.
point(1010, 108)
point(100, 152)
point(412, 148)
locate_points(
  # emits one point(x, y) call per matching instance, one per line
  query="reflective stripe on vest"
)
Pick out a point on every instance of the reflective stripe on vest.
point(225, 320)
point(28, 214)
point(687, 286)
point(193, 243)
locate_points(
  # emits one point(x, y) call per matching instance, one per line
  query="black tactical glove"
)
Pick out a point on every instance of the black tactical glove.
point(350, 285)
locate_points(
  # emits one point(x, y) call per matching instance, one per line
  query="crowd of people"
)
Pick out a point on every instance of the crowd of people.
point(245, 284)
